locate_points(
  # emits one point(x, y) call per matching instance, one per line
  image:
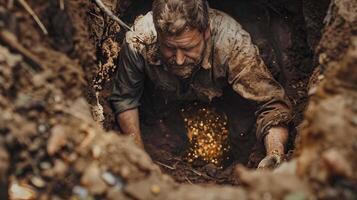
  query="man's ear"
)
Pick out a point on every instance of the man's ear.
point(207, 33)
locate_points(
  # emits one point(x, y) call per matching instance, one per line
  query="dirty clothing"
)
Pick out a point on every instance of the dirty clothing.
point(230, 60)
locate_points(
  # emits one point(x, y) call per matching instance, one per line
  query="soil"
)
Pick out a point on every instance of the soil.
point(52, 148)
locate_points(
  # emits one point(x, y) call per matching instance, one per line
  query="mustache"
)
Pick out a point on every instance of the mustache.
point(182, 66)
point(188, 62)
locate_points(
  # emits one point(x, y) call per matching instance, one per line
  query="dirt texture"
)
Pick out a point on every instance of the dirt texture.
point(52, 148)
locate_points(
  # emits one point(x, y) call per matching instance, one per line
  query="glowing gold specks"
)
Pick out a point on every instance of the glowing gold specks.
point(208, 134)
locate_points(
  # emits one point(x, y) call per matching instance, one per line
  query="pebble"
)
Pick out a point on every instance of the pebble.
point(45, 165)
point(155, 189)
point(80, 191)
point(109, 178)
point(96, 151)
point(38, 182)
point(23, 191)
point(41, 128)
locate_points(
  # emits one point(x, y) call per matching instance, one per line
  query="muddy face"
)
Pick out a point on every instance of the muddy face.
point(182, 53)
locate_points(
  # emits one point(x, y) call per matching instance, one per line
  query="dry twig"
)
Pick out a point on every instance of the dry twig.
point(196, 172)
point(167, 166)
point(201, 174)
point(110, 14)
point(33, 14)
point(188, 180)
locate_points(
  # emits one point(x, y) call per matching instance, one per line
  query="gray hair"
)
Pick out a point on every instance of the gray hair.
point(174, 16)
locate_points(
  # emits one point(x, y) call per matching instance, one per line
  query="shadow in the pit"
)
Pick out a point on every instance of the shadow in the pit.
point(167, 143)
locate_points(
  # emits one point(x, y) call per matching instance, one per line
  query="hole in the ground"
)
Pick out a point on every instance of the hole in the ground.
point(279, 30)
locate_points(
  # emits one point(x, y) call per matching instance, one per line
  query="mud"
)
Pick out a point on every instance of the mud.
point(51, 148)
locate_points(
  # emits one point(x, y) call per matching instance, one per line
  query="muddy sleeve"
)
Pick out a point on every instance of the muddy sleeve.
point(250, 78)
point(128, 81)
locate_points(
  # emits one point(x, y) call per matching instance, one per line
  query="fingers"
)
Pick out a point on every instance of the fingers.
point(270, 162)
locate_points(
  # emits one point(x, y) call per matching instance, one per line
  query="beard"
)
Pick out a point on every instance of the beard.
point(185, 70)
point(182, 71)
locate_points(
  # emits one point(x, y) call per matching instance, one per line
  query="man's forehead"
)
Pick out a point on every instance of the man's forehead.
point(186, 36)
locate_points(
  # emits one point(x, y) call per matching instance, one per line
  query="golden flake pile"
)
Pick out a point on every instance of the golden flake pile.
point(208, 134)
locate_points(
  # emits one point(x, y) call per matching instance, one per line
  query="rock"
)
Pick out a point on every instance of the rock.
point(81, 192)
point(109, 178)
point(21, 192)
point(96, 151)
point(38, 182)
point(45, 165)
point(155, 189)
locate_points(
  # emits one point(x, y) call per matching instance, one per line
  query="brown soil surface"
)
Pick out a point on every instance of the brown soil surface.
point(51, 148)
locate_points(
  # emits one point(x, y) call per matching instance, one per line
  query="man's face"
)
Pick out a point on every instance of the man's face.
point(182, 53)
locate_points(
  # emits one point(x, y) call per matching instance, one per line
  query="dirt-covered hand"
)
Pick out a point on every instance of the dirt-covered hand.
point(270, 162)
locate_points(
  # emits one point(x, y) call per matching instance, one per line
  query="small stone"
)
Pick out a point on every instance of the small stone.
point(38, 182)
point(45, 165)
point(96, 151)
point(155, 189)
point(21, 191)
point(124, 172)
point(109, 178)
point(49, 173)
point(72, 157)
point(81, 192)
point(57, 98)
point(41, 128)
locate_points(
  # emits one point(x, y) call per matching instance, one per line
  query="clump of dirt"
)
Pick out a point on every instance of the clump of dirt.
point(331, 113)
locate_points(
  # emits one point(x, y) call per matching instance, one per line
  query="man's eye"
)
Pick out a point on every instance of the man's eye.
point(168, 47)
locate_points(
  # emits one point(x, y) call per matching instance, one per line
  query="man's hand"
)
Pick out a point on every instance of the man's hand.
point(275, 142)
point(129, 124)
point(270, 162)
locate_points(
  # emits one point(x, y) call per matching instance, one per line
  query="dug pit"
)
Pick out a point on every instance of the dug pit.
point(286, 33)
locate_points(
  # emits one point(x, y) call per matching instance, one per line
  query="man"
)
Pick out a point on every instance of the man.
point(189, 52)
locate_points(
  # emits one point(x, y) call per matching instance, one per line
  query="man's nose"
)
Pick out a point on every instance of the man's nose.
point(180, 57)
